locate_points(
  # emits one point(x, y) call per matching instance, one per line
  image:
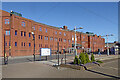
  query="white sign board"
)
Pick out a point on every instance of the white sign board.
point(45, 52)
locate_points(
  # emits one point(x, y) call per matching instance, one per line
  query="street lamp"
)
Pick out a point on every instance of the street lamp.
point(34, 44)
point(107, 42)
point(75, 38)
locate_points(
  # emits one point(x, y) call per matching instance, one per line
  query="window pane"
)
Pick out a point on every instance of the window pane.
point(29, 44)
point(15, 32)
point(6, 21)
point(40, 29)
point(24, 33)
point(46, 30)
point(23, 23)
point(7, 32)
point(29, 34)
point(15, 43)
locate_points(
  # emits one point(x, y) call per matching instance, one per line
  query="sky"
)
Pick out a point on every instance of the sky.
point(101, 18)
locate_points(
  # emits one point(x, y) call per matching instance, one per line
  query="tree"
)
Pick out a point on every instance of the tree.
point(87, 58)
point(76, 60)
point(82, 58)
point(92, 57)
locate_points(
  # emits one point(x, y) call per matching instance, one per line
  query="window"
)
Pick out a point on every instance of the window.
point(83, 37)
point(39, 36)
point(21, 33)
point(46, 38)
point(46, 31)
point(21, 43)
point(9, 43)
point(55, 32)
point(29, 44)
point(15, 43)
point(24, 33)
point(41, 45)
point(72, 36)
point(5, 43)
point(40, 29)
point(29, 34)
point(6, 21)
point(69, 41)
point(34, 27)
point(51, 38)
point(15, 32)
point(55, 39)
point(64, 40)
point(7, 32)
point(83, 42)
point(60, 33)
point(64, 34)
point(23, 23)
point(59, 39)
point(24, 44)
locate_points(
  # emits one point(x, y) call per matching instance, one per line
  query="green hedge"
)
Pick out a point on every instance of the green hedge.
point(92, 57)
point(87, 58)
point(76, 60)
point(82, 58)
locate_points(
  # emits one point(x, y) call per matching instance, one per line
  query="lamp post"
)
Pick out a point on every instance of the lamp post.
point(107, 42)
point(75, 38)
point(34, 44)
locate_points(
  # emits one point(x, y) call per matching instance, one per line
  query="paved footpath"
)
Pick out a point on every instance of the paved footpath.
point(44, 69)
point(71, 58)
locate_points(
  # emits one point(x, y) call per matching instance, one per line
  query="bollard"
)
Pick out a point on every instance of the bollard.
point(62, 61)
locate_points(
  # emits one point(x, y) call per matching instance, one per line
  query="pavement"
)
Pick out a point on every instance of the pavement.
point(25, 67)
point(41, 69)
point(71, 58)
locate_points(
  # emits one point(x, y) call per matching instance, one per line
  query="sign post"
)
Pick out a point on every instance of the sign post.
point(45, 52)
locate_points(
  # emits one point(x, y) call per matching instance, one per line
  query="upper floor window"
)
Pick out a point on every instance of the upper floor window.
point(55, 39)
point(46, 38)
point(46, 30)
point(24, 44)
point(34, 27)
point(29, 44)
point(51, 38)
point(21, 33)
point(40, 29)
point(7, 32)
point(21, 43)
point(55, 32)
point(64, 34)
point(23, 23)
point(15, 32)
point(39, 36)
point(24, 33)
point(64, 40)
point(69, 41)
point(29, 34)
point(6, 21)
point(15, 43)
point(59, 39)
point(72, 36)
point(5, 43)
point(83, 37)
point(60, 33)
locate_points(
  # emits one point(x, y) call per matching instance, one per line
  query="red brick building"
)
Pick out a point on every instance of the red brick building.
point(19, 40)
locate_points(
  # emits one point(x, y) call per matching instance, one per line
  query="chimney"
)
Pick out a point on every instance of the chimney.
point(65, 27)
